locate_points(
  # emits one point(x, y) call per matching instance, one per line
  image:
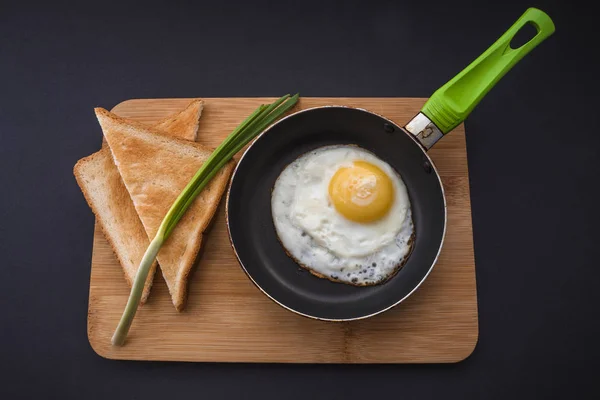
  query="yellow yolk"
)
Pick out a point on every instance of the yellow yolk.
point(361, 193)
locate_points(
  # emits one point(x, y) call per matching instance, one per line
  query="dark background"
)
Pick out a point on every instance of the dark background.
point(534, 159)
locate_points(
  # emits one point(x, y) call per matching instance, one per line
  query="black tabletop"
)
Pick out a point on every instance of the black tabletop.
point(534, 161)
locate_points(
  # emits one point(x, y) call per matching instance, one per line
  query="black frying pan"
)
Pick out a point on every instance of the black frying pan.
point(249, 219)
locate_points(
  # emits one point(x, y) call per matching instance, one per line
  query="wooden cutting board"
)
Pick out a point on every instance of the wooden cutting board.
point(228, 319)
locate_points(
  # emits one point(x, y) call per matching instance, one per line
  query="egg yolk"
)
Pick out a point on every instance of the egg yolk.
point(362, 192)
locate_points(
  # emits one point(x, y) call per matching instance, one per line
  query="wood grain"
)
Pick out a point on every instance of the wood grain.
point(227, 319)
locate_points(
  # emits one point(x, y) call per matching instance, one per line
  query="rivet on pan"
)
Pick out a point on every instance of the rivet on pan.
point(427, 166)
point(388, 128)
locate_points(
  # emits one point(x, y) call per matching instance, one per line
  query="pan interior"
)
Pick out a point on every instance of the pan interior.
point(253, 234)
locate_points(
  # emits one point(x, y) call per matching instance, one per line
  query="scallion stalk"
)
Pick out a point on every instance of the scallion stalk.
point(258, 121)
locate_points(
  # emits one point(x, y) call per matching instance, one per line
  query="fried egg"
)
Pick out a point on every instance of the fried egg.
point(343, 214)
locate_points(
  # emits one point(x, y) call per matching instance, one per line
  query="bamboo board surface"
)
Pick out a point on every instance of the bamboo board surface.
point(227, 319)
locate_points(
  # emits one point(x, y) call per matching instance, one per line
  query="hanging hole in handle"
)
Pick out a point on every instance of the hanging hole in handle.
point(524, 35)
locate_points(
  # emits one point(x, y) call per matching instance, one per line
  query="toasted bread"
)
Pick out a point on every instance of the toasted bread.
point(101, 184)
point(155, 169)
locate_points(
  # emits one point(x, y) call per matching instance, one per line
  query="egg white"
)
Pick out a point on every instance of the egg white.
point(320, 239)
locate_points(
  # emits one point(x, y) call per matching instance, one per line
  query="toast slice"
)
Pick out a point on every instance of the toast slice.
point(155, 169)
point(101, 184)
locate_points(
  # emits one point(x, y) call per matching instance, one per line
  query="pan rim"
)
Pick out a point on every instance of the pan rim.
point(231, 241)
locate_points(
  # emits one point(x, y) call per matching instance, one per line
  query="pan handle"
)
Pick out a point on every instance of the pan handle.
point(453, 102)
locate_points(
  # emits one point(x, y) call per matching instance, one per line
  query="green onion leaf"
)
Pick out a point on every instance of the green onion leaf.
point(257, 122)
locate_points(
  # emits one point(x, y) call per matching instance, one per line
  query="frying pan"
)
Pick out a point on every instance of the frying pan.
point(249, 220)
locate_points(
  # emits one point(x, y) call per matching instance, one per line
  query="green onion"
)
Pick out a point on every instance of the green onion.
point(257, 122)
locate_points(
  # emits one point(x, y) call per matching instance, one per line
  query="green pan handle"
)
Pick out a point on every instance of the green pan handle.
point(452, 103)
